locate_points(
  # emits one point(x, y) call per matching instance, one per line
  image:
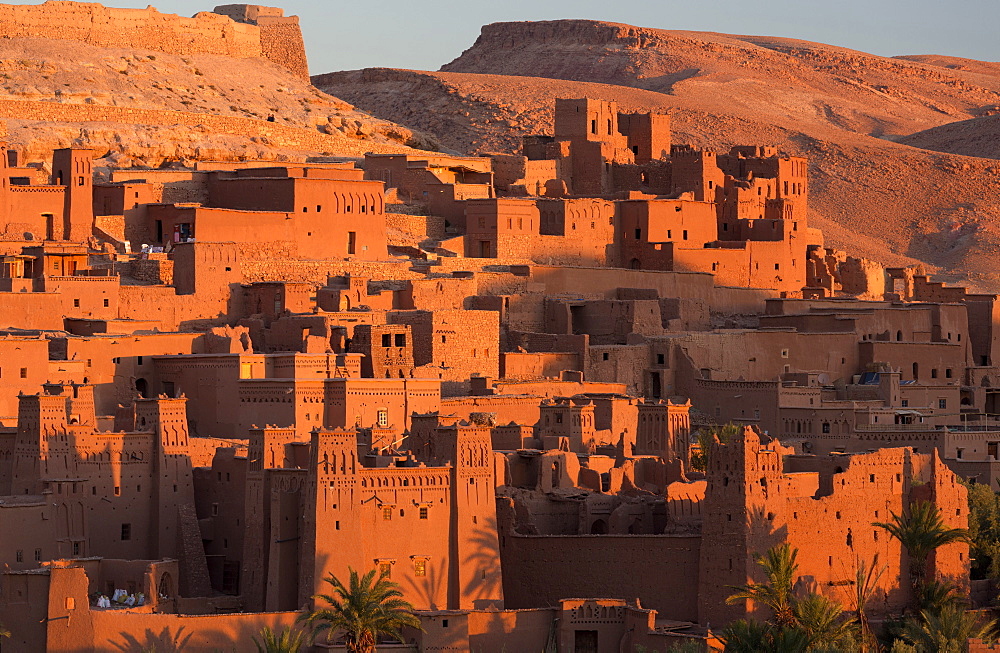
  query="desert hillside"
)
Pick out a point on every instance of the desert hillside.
point(845, 110)
point(145, 107)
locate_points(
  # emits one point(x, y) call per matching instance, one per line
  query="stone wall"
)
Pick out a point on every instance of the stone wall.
point(276, 38)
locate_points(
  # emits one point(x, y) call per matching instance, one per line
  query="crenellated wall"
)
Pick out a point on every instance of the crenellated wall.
point(269, 35)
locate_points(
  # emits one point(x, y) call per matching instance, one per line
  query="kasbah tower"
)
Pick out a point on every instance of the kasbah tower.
point(565, 397)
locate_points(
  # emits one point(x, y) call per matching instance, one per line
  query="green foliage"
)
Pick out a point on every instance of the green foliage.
point(781, 571)
point(984, 531)
point(921, 530)
point(866, 580)
point(947, 631)
point(934, 595)
point(899, 646)
point(705, 437)
point(363, 610)
point(690, 646)
point(823, 622)
point(745, 636)
point(812, 623)
point(289, 640)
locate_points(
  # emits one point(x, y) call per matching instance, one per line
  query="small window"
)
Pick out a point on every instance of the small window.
point(420, 567)
point(387, 513)
point(20, 555)
point(605, 356)
point(385, 569)
point(387, 340)
point(107, 302)
point(126, 532)
point(660, 358)
point(942, 403)
point(38, 555)
point(76, 303)
point(423, 512)
point(400, 339)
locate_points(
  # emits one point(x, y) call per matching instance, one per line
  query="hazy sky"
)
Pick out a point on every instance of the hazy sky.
point(349, 34)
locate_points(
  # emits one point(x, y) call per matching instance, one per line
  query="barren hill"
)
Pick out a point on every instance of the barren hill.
point(768, 78)
point(144, 107)
point(974, 137)
point(877, 198)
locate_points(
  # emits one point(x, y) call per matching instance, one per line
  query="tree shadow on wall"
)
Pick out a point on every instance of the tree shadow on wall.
point(425, 595)
point(164, 642)
point(485, 583)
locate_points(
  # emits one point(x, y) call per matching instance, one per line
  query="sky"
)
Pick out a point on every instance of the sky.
point(346, 35)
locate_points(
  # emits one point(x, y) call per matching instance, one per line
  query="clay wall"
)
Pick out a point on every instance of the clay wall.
point(351, 402)
point(520, 408)
point(122, 367)
point(539, 569)
point(595, 282)
point(220, 491)
point(920, 361)
point(522, 366)
point(434, 294)
point(24, 368)
point(626, 364)
point(30, 532)
point(458, 343)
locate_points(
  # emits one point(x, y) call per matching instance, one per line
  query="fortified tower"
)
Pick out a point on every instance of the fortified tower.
point(742, 476)
point(73, 168)
point(280, 36)
point(474, 572)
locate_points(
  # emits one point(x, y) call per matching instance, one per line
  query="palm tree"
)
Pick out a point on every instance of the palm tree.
point(866, 580)
point(823, 621)
point(947, 631)
point(363, 610)
point(780, 569)
point(289, 640)
point(746, 636)
point(935, 595)
point(921, 531)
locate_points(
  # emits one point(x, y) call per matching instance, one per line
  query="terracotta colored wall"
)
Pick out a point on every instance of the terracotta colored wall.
point(540, 569)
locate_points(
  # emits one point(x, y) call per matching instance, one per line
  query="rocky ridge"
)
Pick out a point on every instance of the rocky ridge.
point(878, 198)
point(144, 107)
